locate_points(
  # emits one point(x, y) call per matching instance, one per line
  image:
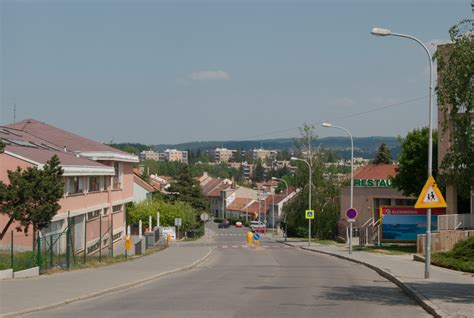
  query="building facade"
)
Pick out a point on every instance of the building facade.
point(372, 189)
point(221, 154)
point(174, 155)
point(98, 183)
point(149, 155)
point(263, 154)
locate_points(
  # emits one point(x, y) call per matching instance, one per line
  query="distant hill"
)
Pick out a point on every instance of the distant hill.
point(363, 146)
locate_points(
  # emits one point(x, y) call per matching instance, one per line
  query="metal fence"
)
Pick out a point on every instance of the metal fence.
point(70, 242)
point(455, 222)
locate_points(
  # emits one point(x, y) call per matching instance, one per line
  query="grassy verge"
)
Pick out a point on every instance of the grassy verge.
point(21, 260)
point(388, 249)
point(25, 260)
point(461, 258)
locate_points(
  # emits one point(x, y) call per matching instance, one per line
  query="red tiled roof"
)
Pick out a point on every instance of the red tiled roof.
point(60, 137)
point(32, 148)
point(382, 171)
point(142, 183)
point(254, 208)
point(238, 204)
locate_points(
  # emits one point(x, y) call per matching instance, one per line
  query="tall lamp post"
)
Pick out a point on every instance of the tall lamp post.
point(286, 196)
point(385, 32)
point(329, 125)
point(309, 205)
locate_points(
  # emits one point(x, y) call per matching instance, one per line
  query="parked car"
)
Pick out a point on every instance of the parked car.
point(258, 226)
point(224, 224)
point(238, 224)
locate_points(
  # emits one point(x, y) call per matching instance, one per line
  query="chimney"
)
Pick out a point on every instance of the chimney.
point(65, 149)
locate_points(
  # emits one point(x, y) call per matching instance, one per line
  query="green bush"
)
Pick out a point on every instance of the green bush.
point(217, 220)
point(460, 258)
point(168, 212)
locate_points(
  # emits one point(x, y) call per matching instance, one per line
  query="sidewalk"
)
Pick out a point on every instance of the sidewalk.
point(447, 293)
point(20, 295)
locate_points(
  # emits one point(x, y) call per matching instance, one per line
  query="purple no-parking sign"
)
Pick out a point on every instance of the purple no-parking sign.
point(351, 213)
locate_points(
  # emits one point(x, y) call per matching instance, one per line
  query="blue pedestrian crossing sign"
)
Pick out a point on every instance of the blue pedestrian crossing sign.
point(256, 236)
point(310, 214)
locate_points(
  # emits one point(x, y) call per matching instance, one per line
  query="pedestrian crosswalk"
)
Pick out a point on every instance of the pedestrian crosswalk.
point(231, 234)
point(246, 246)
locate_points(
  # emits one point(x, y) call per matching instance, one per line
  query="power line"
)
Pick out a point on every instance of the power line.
point(336, 118)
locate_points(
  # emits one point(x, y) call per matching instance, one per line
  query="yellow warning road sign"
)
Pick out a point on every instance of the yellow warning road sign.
point(430, 196)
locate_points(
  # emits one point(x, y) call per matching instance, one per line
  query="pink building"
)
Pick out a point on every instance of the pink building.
point(98, 184)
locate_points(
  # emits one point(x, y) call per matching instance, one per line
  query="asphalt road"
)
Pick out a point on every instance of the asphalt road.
point(272, 281)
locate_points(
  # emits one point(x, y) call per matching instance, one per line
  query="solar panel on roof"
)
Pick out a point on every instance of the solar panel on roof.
point(21, 143)
point(8, 132)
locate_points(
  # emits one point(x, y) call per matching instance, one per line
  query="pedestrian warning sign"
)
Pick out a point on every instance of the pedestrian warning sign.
point(310, 214)
point(430, 196)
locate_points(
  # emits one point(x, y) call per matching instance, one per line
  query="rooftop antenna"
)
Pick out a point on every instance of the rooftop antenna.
point(14, 112)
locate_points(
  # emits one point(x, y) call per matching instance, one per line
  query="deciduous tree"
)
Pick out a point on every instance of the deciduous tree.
point(456, 100)
point(413, 161)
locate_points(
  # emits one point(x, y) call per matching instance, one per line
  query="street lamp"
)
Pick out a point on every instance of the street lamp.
point(309, 205)
point(329, 125)
point(386, 32)
point(286, 196)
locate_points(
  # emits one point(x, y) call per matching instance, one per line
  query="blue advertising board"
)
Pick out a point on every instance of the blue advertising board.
point(401, 224)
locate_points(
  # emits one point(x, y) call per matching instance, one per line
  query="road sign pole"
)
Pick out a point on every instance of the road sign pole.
point(309, 232)
point(428, 244)
point(350, 238)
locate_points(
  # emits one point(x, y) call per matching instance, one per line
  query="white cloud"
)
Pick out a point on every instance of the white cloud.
point(209, 76)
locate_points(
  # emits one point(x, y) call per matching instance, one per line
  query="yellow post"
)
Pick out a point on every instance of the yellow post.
point(249, 238)
point(168, 237)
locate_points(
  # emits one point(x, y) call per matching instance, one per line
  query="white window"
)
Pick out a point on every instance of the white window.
point(117, 208)
point(93, 214)
point(75, 185)
point(117, 179)
point(94, 184)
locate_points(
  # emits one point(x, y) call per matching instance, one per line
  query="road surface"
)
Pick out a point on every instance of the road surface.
point(272, 281)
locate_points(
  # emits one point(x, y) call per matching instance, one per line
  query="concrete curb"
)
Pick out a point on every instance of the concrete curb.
point(407, 289)
point(109, 290)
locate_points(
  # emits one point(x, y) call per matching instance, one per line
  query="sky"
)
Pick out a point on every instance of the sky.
point(177, 71)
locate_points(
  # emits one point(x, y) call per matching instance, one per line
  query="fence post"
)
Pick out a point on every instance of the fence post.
point(100, 237)
point(68, 241)
point(50, 251)
point(85, 237)
point(11, 247)
point(38, 255)
point(112, 233)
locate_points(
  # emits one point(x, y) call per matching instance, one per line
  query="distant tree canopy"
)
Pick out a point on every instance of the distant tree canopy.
point(383, 155)
point(32, 195)
point(133, 148)
point(413, 161)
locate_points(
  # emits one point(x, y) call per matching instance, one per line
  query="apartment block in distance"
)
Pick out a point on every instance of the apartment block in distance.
point(174, 155)
point(264, 154)
point(149, 155)
point(98, 183)
point(221, 154)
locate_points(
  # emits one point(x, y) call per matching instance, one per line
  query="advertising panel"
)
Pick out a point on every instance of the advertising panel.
point(403, 224)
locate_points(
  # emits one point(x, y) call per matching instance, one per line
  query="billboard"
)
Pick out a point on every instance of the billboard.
point(403, 224)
